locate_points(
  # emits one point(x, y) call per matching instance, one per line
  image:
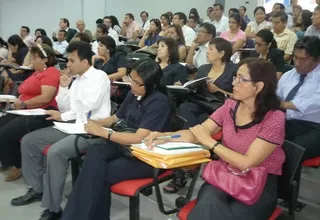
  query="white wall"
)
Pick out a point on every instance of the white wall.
point(46, 13)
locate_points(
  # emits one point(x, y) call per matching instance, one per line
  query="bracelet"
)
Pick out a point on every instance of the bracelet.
point(214, 146)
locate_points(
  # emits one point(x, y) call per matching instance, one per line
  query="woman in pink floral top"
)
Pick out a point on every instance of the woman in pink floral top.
point(253, 130)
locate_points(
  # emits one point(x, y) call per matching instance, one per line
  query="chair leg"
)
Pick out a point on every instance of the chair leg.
point(134, 207)
point(75, 170)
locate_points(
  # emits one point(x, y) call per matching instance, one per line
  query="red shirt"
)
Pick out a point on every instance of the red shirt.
point(239, 138)
point(31, 87)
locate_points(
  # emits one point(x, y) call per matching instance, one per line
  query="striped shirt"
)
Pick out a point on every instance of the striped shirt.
point(286, 41)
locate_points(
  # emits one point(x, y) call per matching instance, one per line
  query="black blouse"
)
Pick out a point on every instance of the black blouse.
point(118, 60)
point(274, 56)
point(174, 73)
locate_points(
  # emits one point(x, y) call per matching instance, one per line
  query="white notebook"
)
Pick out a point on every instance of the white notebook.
point(172, 148)
point(6, 98)
point(28, 112)
point(71, 128)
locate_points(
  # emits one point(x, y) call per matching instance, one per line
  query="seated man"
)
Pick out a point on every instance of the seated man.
point(89, 94)
point(285, 38)
point(81, 26)
point(314, 29)
point(102, 30)
point(130, 28)
point(65, 25)
point(112, 33)
point(180, 18)
point(61, 45)
point(300, 94)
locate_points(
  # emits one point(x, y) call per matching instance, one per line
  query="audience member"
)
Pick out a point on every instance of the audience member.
point(89, 94)
point(195, 59)
point(165, 23)
point(168, 56)
point(233, 11)
point(285, 38)
point(130, 28)
point(243, 14)
point(243, 23)
point(252, 137)
point(65, 25)
point(266, 48)
point(192, 23)
point(109, 60)
point(175, 32)
point(210, 15)
point(3, 50)
point(234, 34)
point(194, 13)
point(40, 32)
point(277, 8)
point(314, 29)
point(151, 35)
point(81, 26)
point(170, 16)
point(61, 45)
point(299, 92)
point(81, 37)
point(258, 24)
point(297, 10)
point(110, 160)
point(38, 91)
point(102, 30)
point(24, 32)
point(189, 34)
point(220, 21)
point(305, 22)
point(44, 40)
point(115, 24)
point(107, 21)
point(145, 21)
point(99, 21)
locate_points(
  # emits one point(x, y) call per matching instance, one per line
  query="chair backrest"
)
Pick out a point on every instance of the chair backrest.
point(114, 107)
point(179, 123)
point(291, 169)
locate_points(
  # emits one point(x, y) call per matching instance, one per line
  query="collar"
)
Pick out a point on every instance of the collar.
point(285, 31)
point(88, 73)
point(67, 29)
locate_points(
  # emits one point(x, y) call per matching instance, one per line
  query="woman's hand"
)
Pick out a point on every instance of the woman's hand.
point(202, 133)
point(94, 129)
point(212, 88)
point(17, 105)
point(150, 141)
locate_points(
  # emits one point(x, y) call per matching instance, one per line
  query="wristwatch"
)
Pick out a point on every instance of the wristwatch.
point(214, 146)
point(23, 105)
point(109, 133)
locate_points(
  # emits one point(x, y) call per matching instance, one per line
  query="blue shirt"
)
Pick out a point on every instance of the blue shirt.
point(307, 99)
point(152, 40)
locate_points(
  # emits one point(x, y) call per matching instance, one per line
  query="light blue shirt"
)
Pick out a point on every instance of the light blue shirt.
point(307, 99)
point(61, 47)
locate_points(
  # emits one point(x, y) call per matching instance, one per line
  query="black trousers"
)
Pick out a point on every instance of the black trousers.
point(212, 203)
point(12, 129)
point(104, 166)
point(193, 113)
point(306, 134)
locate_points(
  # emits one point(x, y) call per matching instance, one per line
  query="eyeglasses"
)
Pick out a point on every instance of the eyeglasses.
point(133, 82)
point(202, 32)
point(42, 50)
point(239, 79)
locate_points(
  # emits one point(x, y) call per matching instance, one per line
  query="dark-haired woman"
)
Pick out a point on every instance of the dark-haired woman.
point(258, 24)
point(151, 111)
point(151, 36)
point(40, 32)
point(266, 48)
point(115, 24)
point(303, 23)
point(109, 60)
point(44, 40)
point(38, 91)
point(194, 13)
point(165, 24)
point(253, 135)
point(168, 56)
point(175, 32)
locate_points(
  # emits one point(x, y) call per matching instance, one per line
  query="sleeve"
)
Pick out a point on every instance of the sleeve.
point(291, 42)
point(121, 61)
point(190, 36)
point(219, 115)
point(278, 61)
point(63, 99)
point(224, 35)
point(308, 31)
point(137, 27)
point(157, 115)
point(51, 78)
point(308, 104)
point(181, 75)
point(22, 54)
point(121, 113)
point(242, 36)
point(273, 128)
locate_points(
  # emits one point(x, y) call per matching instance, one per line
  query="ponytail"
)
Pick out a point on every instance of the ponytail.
point(274, 44)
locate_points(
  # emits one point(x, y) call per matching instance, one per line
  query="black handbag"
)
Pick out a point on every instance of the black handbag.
point(208, 101)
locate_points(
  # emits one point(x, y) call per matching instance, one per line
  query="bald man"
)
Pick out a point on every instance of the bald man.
point(81, 26)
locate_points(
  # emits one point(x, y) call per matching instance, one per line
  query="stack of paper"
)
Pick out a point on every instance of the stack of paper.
point(71, 128)
point(8, 98)
point(28, 112)
point(171, 148)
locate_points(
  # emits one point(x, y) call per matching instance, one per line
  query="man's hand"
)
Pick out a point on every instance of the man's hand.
point(54, 115)
point(94, 129)
point(65, 78)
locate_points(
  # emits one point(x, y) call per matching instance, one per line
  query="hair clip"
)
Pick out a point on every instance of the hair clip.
point(42, 50)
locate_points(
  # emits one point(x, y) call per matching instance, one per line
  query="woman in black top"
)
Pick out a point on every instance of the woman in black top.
point(109, 60)
point(266, 48)
point(147, 108)
point(168, 56)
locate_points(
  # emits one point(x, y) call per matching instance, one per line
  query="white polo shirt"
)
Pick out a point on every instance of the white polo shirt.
point(221, 25)
point(189, 35)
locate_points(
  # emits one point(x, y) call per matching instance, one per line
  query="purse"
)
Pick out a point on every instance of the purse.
point(246, 186)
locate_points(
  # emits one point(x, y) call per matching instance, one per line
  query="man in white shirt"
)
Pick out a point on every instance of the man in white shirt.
point(195, 59)
point(145, 21)
point(102, 30)
point(84, 93)
point(112, 33)
point(24, 32)
point(180, 18)
point(220, 21)
point(61, 45)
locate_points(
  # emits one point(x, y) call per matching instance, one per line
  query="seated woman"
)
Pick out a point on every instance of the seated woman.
point(252, 137)
point(220, 72)
point(3, 50)
point(258, 24)
point(38, 91)
point(151, 36)
point(109, 60)
point(305, 21)
point(115, 24)
point(266, 48)
point(44, 40)
point(234, 34)
point(18, 50)
point(40, 32)
point(175, 32)
point(296, 16)
point(165, 24)
point(168, 57)
point(151, 111)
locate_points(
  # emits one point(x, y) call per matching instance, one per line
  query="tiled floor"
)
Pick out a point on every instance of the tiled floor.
point(310, 187)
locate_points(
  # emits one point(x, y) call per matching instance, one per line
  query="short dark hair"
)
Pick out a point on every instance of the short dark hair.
point(144, 12)
point(42, 31)
point(244, 8)
point(104, 28)
point(130, 16)
point(223, 45)
point(267, 36)
point(109, 43)
point(107, 17)
point(179, 31)
point(182, 16)
point(280, 5)
point(211, 29)
point(234, 10)
point(167, 17)
point(16, 40)
point(311, 44)
point(114, 20)
point(83, 50)
point(45, 40)
point(282, 15)
point(66, 21)
point(173, 50)
point(64, 32)
point(236, 17)
point(219, 5)
point(52, 61)
point(83, 37)
point(259, 8)
point(27, 28)
point(99, 21)
point(3, 43)
point(261, 70)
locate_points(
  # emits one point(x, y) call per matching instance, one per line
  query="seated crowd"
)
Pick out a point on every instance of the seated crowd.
point(256, 102)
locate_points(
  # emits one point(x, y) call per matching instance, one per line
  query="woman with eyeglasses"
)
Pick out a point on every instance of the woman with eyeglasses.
point(253, 128)
point(38, 91)
point(146, 108)
point(151, 36)
point(175, 32)
point(266, 48)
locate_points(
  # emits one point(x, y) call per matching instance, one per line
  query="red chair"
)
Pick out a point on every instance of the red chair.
point(313, 162)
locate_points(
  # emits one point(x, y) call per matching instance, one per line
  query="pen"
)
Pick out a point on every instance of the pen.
point(168, 137)
point(89, 115)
